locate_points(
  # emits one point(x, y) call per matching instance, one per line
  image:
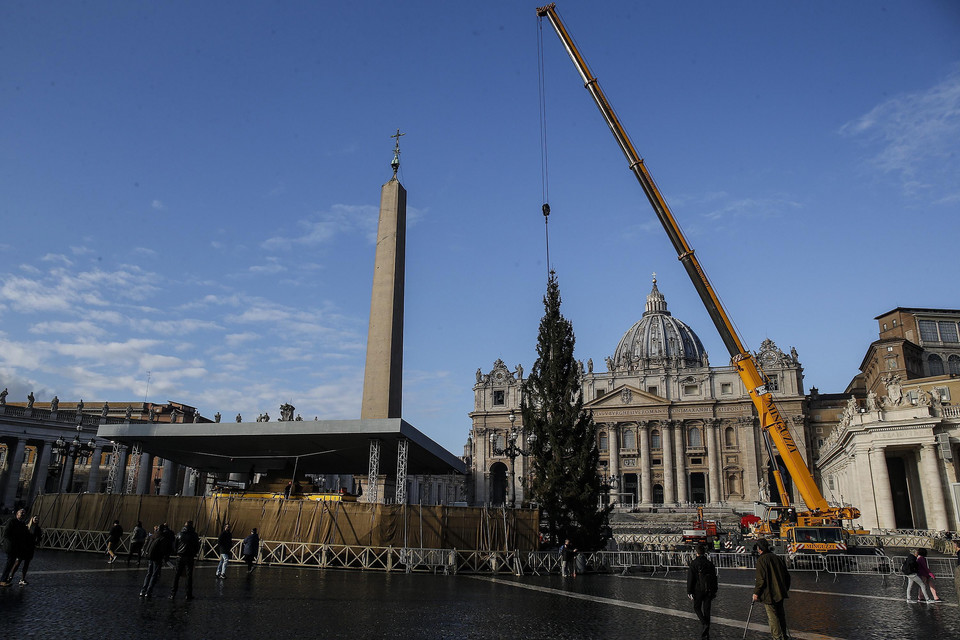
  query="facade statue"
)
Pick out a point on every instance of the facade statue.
point(925, 398)
point(153, 414)
point(519, 372)
point(128, 413)
point(105, 410)
point(589, 365)
point(30, 400)
point(286, 412)
point(216, 417)
point(80, 406)
point(479, 375)
point(239, 418)
point(174, 415)
point(299, 419)
point(196, 416)
point(3, 396)
point(873, 404)
point(54, 404)
point(894, 391)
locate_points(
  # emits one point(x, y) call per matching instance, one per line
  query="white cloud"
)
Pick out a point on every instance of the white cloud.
point(341, 219)
point(157, 205)
point(916, 135)
point(79, 328)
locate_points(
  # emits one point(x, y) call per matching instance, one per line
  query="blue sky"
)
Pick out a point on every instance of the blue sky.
point(191, 189)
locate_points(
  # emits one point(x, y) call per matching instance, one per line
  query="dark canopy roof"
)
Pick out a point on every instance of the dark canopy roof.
point(326, 446)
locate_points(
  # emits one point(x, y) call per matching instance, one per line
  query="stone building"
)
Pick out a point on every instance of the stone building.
point(671, 428)
point(893, 452)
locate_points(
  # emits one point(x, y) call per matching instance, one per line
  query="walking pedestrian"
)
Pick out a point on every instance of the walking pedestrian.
point(156, 548)
point(224, 548)
point(925, 574)
point(702, 588)
point(15, 535)
point(772, 582)
point(137, 538)
point(568, 559)
point(910, 568)
point(251, 549)
point(188, 546)
point(114, 536)
point(171, 544)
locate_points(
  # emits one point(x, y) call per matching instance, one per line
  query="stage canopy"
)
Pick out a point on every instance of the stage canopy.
point(317, 447)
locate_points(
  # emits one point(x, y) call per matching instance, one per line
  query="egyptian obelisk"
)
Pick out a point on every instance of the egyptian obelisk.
point(383, 375)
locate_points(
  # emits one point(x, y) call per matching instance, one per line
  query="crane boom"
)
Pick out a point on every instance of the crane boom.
point(771, 422)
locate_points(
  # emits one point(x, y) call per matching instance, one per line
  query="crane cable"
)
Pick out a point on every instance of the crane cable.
point(544, 181)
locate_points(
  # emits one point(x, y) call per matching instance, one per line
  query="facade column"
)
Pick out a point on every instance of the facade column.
point(66, 476)
point(715, 490)
point(13, 473)
point(679, 436)
point(750, 458)
point(189, 482)
point(666, 438)
point(933, 502)
point(38, 483)
point(145, 479)
point(613, 448)
point(169, 477)
point(643, 433)
point(120, 482)
point(856, 484)
point(881, 483)
point(93, 479)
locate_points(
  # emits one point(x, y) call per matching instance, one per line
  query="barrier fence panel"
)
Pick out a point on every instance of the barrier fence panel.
point(875, 565)
point(807, 562)
point(733, 560)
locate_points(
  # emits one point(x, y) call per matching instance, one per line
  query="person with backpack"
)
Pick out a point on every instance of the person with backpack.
point(156, 548)
point(910, 569)
point(137, 538)
point(187, 548)
point(251, 549)
point(926, 575)
point(702, 587)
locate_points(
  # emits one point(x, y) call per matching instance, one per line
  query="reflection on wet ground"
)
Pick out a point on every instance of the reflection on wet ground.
point(77, 595)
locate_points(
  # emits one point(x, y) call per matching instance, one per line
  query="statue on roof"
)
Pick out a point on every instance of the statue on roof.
point(3, 396)
point(286, 412)
point(54, 404)
point(30, 400)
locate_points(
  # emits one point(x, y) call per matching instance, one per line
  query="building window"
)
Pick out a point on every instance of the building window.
point(819, 442)
point(498, 397)
point(942, 392)
point(953, 364)
point(696, 460)
point(726, 388)
point(936, 365)
point(830, 482)
point(694, 440)
point(773, 383)
point(603, 442)
point(948, 331)
point(884, 326)
point(730, 437)
point(657, 462)
point(653, 390)
point(689, 389)
point(655, 439)
point(629, 439)
point(928, 331)
point(600, 392)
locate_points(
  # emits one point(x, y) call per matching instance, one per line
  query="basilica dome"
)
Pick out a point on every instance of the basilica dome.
point(658, 340)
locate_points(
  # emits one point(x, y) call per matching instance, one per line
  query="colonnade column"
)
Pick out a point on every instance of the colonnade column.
point(93, 478)
point(145, 477)
point(678, 438)
point(715, 492)
point(882, 493)
point(66, 472)
point(41, 465)
point(932, 488)
point(857, 483)
point(12, 476)
point(169, 478)
point(613, 448)
point(666, 438)
point(643, 433)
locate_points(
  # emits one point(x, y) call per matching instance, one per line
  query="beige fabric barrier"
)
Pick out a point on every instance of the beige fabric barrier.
point(334, 523)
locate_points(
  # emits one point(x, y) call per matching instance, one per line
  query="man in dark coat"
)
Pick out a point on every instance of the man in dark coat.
point(772, 585)
point(251, 549)
point(114, 537)
point(15, 535)
point(702, 588)
point(187, 547)
point(156, 548)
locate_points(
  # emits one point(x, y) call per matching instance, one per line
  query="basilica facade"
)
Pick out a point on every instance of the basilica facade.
point(671, 429)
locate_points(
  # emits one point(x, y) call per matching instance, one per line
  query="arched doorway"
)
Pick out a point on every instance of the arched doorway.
point(498, 483)
point(658, 494)
point(698, 487)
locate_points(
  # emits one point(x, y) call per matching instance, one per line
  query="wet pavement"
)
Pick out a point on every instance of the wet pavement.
point(77, 595)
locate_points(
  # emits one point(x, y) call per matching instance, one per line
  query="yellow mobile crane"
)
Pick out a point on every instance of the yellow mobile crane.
point(818, 528)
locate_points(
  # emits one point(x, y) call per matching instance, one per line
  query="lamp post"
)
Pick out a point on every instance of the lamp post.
point(512, 451)
point(69, 452)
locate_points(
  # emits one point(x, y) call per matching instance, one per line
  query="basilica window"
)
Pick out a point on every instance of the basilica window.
point(953, 364)
point(773, 383)
point(498, 397)
point(629, 439)
point(726, 388)
point(653, 390)
point(936, 365)
point(928, 331)
point(694, 439)
point(603, 442)
point(689, 389)
point(948, 331)
point(655, 439)
point(730, 437)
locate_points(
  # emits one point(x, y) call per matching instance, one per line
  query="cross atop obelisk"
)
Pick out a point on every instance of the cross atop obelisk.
point(382, 377)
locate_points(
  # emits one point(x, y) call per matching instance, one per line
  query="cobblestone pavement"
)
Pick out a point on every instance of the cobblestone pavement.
point(77, 595)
